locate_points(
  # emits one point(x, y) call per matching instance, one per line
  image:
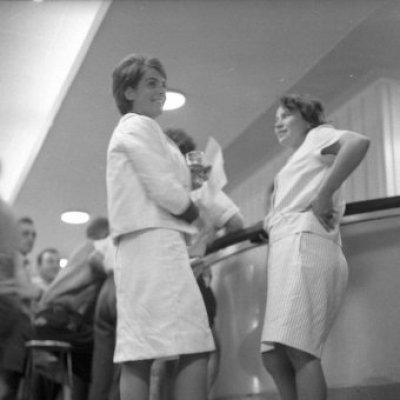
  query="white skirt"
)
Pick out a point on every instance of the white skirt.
point(307, 279)
point(160, 310)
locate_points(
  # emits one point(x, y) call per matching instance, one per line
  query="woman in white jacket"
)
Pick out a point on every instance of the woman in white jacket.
point(160, 312)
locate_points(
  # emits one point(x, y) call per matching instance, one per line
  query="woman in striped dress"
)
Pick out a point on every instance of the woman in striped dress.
point(307, 272)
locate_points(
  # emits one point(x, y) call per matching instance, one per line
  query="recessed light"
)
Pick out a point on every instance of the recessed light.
point(174, 100)
point(63, 262)
point(75, 217)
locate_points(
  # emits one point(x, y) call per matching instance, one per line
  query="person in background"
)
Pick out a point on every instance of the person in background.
point(14, 354)
point(27, 238)
point(160, 312)
point(106, 374)
point(48, 266)
point(223, 217)
point(10, 303)
point(307, 271)
point(66, 309)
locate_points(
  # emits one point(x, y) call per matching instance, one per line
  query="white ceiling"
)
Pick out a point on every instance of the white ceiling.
point(41, 47)
point(231, 58)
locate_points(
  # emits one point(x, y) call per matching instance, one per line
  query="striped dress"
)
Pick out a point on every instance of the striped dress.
point(307, 272)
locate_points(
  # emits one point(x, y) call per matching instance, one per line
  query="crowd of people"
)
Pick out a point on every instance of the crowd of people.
point(136, 291)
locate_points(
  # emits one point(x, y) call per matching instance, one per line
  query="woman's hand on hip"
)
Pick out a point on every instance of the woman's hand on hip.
point(322, 207)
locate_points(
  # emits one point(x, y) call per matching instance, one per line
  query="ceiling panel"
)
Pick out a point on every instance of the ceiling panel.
point(231, 58)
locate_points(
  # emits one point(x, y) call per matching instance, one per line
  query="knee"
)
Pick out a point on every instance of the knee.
point(274, 361)
point(299, 358)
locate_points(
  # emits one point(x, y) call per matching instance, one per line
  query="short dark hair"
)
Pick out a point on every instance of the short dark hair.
point(184, 141)
point(44, 251)
point(25, 220)
point(98, 228)
point(310, 108)
point(128, 73)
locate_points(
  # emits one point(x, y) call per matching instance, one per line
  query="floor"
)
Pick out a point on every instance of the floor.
point(379, 392)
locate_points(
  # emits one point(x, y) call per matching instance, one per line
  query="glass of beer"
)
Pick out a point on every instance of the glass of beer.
point(195, 162)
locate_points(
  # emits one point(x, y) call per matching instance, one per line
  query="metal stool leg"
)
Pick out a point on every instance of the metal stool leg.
point(58, 352)
point(27, 378)
point(68, 384)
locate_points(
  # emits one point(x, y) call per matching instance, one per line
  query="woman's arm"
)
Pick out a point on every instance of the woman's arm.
point(234, 223)
point(147, 152)
point(350, 149)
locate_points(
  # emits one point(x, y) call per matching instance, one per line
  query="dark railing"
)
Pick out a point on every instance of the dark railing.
point(366, 206)
point(256, 233)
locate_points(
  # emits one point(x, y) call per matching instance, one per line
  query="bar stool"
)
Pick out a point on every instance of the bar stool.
point(51, 359)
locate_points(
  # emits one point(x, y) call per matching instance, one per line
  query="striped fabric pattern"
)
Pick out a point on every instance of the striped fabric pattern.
point(307, 278)
point(307, 272)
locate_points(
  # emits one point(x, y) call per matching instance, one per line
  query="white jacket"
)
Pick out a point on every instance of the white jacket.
point(148, 181)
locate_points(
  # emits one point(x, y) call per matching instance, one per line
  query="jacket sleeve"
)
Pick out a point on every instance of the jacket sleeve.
point(147, 150)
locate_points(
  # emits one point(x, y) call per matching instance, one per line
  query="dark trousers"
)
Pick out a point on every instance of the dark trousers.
point(15, 330)
point(105, 374)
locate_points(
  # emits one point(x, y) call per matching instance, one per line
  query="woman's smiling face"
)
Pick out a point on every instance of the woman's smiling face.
point(290, 127)
point(149, 95)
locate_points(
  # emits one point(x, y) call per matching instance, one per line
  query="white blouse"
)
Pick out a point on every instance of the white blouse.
point(296, 185)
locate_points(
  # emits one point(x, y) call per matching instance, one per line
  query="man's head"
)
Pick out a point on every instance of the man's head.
point(98, 229)
point(27, 234)
point(184, 141)
point(48, 263)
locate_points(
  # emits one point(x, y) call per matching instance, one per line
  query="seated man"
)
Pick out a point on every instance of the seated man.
point(66, 309)
point(48, 266)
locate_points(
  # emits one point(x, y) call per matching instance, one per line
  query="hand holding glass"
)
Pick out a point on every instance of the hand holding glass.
point(198, 170)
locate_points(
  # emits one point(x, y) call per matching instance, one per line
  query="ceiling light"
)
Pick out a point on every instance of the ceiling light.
point(75, 217)
point(63, 262)
point(174, 100)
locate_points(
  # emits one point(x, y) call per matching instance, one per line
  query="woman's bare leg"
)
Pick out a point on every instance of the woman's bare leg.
point(310, 379)
point(281, 369)
point(135, 380)
point(191, 377)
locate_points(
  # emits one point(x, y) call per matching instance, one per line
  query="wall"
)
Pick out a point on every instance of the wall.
point(363, 347)
point(361, 358)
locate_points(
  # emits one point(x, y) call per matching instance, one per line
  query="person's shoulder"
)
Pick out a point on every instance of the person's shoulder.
point(322, 129)
point(325, 136)
point(137, 126)
point(324, 133)
point(132, 119)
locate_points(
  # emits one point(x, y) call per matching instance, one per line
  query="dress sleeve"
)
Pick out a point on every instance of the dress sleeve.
point(215, 209)
point(222, 209)
point(324, 136)
point(142, 141)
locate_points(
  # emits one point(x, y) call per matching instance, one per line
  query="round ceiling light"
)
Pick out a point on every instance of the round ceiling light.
point(75, 217)
point(174, 100)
